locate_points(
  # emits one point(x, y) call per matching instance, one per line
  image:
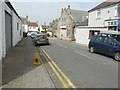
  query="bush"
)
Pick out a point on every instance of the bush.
point(48, 35)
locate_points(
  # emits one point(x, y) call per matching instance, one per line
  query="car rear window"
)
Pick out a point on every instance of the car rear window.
point(42, 36)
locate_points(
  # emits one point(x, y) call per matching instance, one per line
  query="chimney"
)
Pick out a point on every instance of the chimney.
point(26, 16)
point(68, 6)
point(61, 11)
point(69, 10)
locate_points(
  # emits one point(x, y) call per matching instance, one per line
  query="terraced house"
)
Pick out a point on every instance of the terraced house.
point(10, 27)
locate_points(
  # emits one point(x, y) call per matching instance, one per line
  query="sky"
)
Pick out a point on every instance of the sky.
point(45, 11)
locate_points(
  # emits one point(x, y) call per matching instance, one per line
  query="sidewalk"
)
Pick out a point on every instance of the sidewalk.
point(18, 70)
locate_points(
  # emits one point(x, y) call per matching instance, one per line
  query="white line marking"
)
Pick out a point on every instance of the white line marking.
point(83, 54)
point(62, 45)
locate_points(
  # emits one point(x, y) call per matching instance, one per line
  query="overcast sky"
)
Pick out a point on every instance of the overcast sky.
point(44, 11)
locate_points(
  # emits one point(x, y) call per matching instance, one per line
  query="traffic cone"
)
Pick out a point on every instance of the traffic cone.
point(36, 60)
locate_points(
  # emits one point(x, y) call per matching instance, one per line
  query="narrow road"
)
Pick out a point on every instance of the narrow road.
point(84, 69)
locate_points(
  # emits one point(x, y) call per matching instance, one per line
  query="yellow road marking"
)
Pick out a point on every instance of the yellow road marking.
point(57, 74)
point(66, 78)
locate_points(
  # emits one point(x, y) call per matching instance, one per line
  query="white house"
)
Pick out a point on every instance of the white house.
point(103, 17)
point(32, 26)
point(10, 27)
point(25, 25)
point(106, 14)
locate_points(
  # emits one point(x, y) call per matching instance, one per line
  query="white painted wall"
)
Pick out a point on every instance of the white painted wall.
point(1, 29)
point(33, 28)
point(82, 34)
point(15, 32)
point(93, 22)
point(26, 28)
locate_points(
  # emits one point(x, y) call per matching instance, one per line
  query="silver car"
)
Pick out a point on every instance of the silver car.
point(41, 39)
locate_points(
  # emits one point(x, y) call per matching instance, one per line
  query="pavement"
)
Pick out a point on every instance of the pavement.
point(18, 70)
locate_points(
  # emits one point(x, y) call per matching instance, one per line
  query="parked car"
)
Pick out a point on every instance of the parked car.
point(41, 39)
point(33, 35)
point(108, 45)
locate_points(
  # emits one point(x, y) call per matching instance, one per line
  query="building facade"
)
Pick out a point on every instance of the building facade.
point(10, 27)
point(32, 26)
point(103, 17)
point(25, 25)
point(69, 19)
point(106, 14)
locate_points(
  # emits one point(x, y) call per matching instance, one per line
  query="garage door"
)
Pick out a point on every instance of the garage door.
point(8, 30)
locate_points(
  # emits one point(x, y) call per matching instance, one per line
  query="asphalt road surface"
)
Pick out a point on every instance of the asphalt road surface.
point(84, 69)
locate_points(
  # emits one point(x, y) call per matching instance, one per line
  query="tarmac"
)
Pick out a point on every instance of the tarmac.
point(18, 70)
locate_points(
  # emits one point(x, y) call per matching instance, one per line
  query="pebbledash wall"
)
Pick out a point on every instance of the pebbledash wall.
point(16, 28)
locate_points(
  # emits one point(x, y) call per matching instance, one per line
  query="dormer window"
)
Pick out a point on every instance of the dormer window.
point(98, 14)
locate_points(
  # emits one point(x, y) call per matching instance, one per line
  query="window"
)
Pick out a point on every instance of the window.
point(17, 26)
point(100, 39)
point(98, 15)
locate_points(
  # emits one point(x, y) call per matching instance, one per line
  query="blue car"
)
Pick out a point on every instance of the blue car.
point(105, 44)
point(33, 35)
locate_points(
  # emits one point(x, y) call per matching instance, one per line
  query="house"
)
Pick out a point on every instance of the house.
point(10, 27)
point(25, 25)
point(33, 27)
point(68, 21)
point(103, 17)
point(45, 27)
point(53, 27)
point(106, 14)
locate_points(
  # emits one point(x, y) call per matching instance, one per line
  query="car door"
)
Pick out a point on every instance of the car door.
point(108, 46)
point(99, 44)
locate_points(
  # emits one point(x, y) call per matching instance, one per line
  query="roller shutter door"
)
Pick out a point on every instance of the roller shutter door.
point(8, 30)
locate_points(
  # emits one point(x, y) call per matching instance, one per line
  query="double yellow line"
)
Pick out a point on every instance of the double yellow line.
point(66, 82)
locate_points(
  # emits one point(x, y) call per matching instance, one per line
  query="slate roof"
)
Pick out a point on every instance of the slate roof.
point(105, 4)
point(77, 15)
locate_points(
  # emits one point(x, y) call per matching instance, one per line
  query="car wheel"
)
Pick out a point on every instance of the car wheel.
point(92, 50)
point(117, 56)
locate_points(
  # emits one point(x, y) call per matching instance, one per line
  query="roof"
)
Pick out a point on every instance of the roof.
point(44, 27)
point(34, 24)
point(77, 15)
point(105, 4)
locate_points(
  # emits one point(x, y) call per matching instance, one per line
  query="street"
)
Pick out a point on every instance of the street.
point(84, 69)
